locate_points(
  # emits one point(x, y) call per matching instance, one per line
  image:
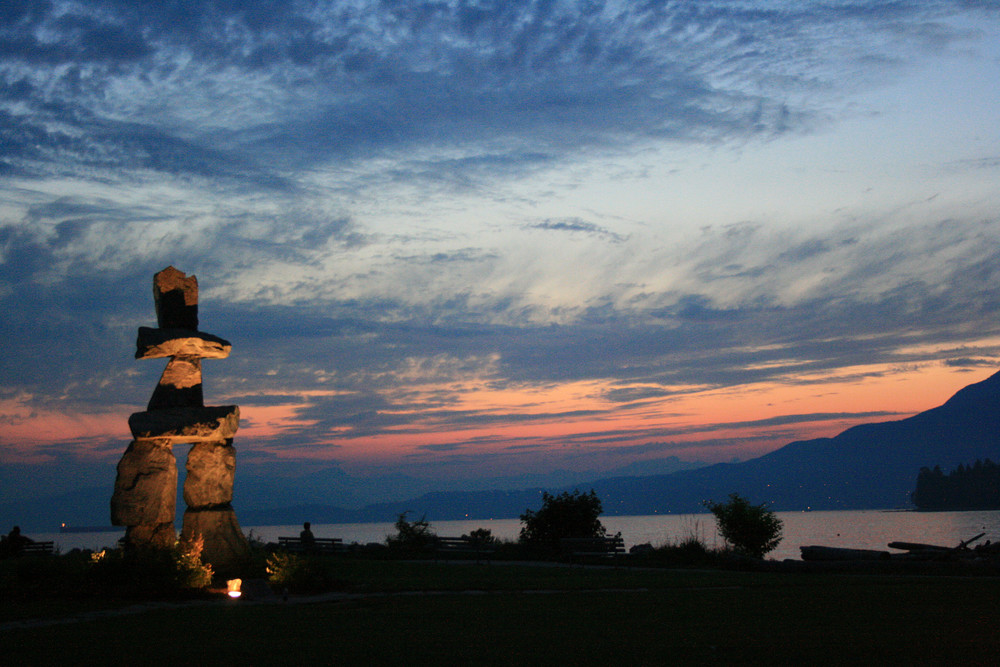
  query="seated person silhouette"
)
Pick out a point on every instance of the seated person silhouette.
point(13, 543)
point(308, 541)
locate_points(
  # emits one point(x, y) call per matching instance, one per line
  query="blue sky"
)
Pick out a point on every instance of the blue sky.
point(495, 242)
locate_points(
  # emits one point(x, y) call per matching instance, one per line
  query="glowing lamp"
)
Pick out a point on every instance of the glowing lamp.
point(233, 588)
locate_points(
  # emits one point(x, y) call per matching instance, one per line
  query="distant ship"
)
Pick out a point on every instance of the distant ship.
point(88, 529)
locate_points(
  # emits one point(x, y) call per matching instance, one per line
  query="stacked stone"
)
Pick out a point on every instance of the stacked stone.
point(146, 486)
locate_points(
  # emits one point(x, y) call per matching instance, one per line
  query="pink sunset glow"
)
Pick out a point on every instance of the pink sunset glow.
point(495, 246)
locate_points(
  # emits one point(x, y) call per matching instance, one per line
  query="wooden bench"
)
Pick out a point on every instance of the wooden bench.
point(321, 545)
point(38, 548)
point(447, 546)
point(593, 547)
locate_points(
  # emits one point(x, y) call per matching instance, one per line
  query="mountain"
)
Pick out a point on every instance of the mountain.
point(437, 506)
point(869, 466)
point(866, 467)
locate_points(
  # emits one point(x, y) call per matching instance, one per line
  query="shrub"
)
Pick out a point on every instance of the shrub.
point(689, 552)
point(752, 530)
point(299, 574)
point(481, 537)
point(412, 535)
point(565, 515)
point(150, 570)
point(190, 572)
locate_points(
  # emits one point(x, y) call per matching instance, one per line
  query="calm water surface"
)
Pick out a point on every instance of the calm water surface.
point(862, 529)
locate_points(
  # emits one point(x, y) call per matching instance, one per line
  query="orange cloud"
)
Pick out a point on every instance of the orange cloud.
point(26, 431)
point(700, 423)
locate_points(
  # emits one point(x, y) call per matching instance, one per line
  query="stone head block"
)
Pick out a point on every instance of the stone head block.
point(176, 297)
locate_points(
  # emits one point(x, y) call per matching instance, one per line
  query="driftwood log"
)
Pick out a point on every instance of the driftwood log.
point(916, 550)
point(819, 553)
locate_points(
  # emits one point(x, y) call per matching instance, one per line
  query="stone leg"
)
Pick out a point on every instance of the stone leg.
point(211, 467)
point(157, 536)
point(145, 495)
point(208, 492)
point(225, 546)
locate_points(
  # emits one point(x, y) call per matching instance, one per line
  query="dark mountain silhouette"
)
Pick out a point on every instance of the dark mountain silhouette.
point(866, 467)
point(437, 506)
point(869, 466)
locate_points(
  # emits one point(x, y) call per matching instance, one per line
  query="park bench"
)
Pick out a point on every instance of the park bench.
point(37, 548)
point(322, 545)
point(449, 546)
point(593, 547)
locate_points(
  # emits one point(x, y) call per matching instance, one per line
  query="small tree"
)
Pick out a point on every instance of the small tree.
point(565, 515)
point(753, 530)
point(412, 535)
point(481, 537)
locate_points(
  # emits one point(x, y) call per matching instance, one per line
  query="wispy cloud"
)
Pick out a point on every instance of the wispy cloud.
point(491, 219)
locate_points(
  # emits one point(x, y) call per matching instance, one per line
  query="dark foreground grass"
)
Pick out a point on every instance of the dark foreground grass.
point(567, 616)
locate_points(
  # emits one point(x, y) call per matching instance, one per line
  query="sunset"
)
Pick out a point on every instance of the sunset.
point(499, 332)
point(494, 245)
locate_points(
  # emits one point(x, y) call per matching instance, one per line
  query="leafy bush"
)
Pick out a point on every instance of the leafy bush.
point(412, 535)
point(190, 572)
point(565, 515)
point(689, 552)
point(752, 530)
point(299, 574)
point(690, 549)
point(150, 570)
point(482, 537)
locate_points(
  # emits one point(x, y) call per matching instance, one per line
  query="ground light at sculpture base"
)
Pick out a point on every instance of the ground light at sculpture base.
point(233, 588)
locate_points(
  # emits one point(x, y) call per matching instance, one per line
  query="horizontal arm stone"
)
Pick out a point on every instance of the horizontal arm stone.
point(208, 424)
point(159, 343)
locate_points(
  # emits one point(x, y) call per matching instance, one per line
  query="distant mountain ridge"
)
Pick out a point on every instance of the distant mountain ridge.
point(870, 466)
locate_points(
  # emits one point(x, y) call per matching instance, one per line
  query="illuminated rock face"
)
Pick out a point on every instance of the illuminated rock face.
point(225, 546)
point(191, 424)
point(210, 470)
point(146, 485)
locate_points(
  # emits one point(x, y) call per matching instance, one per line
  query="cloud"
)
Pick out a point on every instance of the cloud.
point(576, 225)
point(397, 209)
point(966, 362)
point(316, 82)
point(446, 447)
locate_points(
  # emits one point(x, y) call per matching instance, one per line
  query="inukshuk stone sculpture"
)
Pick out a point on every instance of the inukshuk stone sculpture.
point(146, 486)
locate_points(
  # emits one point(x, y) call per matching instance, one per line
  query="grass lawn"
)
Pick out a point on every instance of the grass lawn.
point(423, 613)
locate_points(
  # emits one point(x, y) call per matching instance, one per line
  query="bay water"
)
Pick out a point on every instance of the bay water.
point(858, 529)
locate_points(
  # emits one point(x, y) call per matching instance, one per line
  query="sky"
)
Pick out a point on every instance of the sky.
point(471, 244)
